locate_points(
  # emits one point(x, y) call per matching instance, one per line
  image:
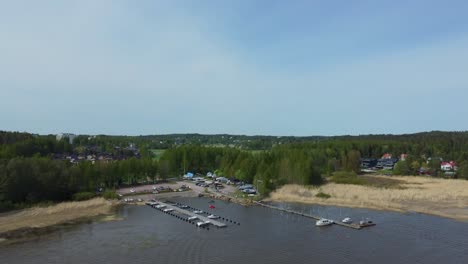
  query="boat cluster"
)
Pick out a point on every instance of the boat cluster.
point(191, 215)
point(347, 220)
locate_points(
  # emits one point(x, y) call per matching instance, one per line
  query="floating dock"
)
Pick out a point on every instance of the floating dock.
point(187, 213)
point(353, 225)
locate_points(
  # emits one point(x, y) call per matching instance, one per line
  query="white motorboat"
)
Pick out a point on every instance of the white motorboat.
point(198, 212)
point(212, 216)
point(366, 222)
point(200, 224)
point(160, 206)
point(168, 210)
point(347, 220)
point(193, 218)
point(324, 222)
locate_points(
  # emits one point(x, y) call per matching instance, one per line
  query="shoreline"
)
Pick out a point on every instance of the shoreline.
point(28, 223)
point(398, 210)
point(439, 197)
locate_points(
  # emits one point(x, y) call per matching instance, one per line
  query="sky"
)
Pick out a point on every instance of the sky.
point(249, 67)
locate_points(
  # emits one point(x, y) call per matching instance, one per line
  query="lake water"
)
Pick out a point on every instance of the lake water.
point(264, 236)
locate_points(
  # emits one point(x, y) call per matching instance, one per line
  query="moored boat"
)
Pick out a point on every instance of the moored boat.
point(212, 216)
point(324, 222)
point(366, 222)
point(347, 220)
point(200, 224)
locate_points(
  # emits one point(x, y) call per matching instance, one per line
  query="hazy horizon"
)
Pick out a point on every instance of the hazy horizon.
point(300, 68)
point(230, 134)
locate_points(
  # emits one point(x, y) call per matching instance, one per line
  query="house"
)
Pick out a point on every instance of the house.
point(403, 156)
point(367, 163)
point(387, 156)
point(386, 164)
point(448, 166)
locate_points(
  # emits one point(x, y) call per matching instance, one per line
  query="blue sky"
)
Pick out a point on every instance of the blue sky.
point(238, 67)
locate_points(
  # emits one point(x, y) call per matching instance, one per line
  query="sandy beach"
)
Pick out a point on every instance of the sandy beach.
point(442, 197)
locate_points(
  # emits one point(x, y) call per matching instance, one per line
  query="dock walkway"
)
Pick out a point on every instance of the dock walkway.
point(353, 226)
point(190, 214)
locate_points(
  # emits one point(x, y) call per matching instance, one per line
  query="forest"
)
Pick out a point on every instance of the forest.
point(30, 173)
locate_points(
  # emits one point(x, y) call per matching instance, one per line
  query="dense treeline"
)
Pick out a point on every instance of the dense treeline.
point(296, 163)
point(28, 174)
point(34, 146)
point(32, 180)
point(447, 145)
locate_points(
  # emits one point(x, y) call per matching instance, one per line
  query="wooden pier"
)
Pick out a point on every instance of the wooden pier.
point(190, 213)
point(353, 225)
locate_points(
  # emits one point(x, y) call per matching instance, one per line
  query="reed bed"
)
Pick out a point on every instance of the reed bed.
point(444, 197)
point(39, 217)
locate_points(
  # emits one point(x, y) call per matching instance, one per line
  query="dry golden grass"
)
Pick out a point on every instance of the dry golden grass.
point(39, 217)
point(444, 197)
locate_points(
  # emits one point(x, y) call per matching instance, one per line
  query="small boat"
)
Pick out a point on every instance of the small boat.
point(212, 206)
point(200, 224)
point(160, 206)
point(347, 220)
point(324, 222)
point(193, 218)
point(183, 206)
point(168, 210)
point(198, 212)
point(212, 216)
point(366, 222)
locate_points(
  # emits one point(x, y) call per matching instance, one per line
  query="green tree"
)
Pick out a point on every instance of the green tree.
point(401, 168)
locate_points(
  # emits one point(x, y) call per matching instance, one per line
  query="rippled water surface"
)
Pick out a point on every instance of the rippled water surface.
point(264, 236)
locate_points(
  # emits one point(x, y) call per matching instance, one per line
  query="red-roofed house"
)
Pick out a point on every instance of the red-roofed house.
point(387, 156)
point(448, 166)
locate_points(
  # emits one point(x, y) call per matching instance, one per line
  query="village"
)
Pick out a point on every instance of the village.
point(432, 166)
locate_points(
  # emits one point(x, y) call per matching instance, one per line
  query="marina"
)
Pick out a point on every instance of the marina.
point(188, 215)
point(145, 235)
point(348, 224)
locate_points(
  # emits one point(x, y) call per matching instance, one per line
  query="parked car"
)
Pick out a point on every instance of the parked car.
point(249, 191)
point(246, 186)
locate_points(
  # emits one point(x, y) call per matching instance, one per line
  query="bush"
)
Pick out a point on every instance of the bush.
point(345, 177)
point(82, 196)
point(110, 195)
point(323, 195)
